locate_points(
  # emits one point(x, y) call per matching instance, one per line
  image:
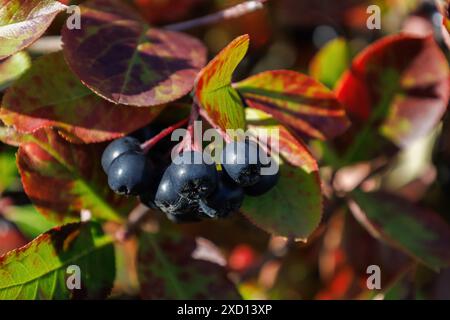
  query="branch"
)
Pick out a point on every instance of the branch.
point(230, 13)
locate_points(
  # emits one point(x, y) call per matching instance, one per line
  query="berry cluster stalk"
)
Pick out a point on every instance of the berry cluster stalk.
point(146, 146)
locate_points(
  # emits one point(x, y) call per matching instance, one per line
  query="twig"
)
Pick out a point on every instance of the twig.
point(230, 13)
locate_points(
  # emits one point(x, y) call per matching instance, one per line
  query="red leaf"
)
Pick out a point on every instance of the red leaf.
point(296, 100)
point(124, 60)
point(400, 84)
point(49, 95)
point(61, 179)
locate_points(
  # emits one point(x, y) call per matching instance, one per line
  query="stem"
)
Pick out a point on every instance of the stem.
point(146, 146)
point(230, 13)
point(189, 141)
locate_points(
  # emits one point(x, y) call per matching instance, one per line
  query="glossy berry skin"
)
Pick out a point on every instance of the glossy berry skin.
point(241, 162)
point(184, 186)
point(118, 147)
point(192, 178)
point(177, 209)
point(227, 198)
point(265, 184)
point(130, 173)
point(168, 198)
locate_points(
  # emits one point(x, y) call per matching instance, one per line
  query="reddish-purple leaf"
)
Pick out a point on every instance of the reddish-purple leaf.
point(50, 95)
point(61, 178)
point(398, 85)
point(299, 101)
point(23, 21)
point(121, 58)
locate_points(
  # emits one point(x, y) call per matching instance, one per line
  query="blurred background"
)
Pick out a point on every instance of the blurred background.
point(289, 34)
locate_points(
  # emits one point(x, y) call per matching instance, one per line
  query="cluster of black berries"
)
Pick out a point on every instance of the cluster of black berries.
point(190, 188)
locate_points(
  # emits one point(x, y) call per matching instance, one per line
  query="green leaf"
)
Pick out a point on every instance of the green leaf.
point(124, 60)
point(8, 169)
point(330, 62)
point(167, 269)
point(29, 221)
point(213, 90)
point(23, 21)
point(296, 100)
point(50, 95)
point(38, 271)
point(293, 208)
point(419, 232)
point(12, 67)
point(61, 178)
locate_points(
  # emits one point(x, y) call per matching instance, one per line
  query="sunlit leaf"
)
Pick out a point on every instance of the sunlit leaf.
point(297, 101)
point(49, 94)
point(12, 67)
point(28, 220)
point(23, 21)
point(330, 62)
point(38, 271)
point(214, 92)
point(121, 58)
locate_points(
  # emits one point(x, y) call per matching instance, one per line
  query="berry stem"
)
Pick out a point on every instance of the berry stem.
point(190, 142)
point(230, 13)
point(146, 146)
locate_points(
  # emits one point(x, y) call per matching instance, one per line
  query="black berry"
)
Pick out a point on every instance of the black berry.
point(168, 197)
point(118, 147)
point(192, 177)
point(130, 173)
point(266, 183)
point(184, 217)
point(227, 198)
point(241, 162)
point(184, 186)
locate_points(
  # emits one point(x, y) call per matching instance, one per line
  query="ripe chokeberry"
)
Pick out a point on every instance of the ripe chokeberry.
point(118, 147)
point(177, 208)
point(192, 177)
point(227, 198)
point(241, 162)
point(185, 184)
point(130, 173)
point(264, 185)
